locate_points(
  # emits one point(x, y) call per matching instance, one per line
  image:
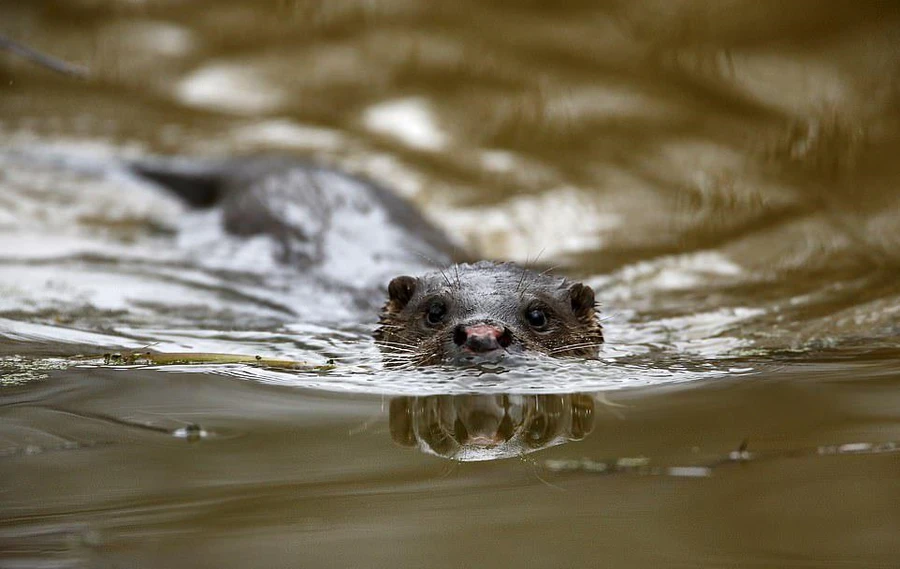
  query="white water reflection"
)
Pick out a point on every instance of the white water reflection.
point(194, 288)
point(409, 121)
point(357, 364)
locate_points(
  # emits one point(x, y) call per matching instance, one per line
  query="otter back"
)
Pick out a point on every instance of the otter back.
point(317, 216)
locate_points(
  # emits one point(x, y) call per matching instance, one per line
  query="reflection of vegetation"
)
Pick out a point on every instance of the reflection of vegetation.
point(188, 358)
point(489, 427)
point(15, 370)
point(642, 465)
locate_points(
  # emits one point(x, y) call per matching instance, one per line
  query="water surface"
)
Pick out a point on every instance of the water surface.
point(725, 177)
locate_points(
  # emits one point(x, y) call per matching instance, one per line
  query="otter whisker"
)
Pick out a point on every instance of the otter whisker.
point(529, 264)
point(395, 356)
point(570, 347)
point(567, 347)
point(575, 345)
point(403, 353)
point(398, 364)
point(446, 278)
point(452, 468)
point(391, 327)
point(408, 365)
point(522, 279)
point(398, 357)
point(396, 350)
point(527, 269)
point(527, 285)
point(426, 258)
point(397, 343)
point(534, 470)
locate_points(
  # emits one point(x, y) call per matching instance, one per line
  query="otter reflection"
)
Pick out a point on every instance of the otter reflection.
point(490, 427)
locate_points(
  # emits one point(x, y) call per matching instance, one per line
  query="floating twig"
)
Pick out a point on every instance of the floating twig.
point(146, 358)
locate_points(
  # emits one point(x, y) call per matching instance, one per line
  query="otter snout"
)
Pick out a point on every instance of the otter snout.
point(482, 337)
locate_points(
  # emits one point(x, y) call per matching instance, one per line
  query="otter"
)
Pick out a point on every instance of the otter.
point(329, 223)
point(485, 311)
point(318, 217)
point(332, 226)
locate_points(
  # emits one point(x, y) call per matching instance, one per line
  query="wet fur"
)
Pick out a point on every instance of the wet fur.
point(487, 292)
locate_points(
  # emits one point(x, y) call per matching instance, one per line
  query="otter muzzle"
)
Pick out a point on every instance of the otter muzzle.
point(481, 338)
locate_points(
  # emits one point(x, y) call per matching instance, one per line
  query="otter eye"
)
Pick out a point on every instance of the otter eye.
point(436, 312)
point(536, 318)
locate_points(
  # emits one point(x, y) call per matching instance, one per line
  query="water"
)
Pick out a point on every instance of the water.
point(725, 179)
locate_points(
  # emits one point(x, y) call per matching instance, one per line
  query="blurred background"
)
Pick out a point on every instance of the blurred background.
point(596, 136)
point(724, 173)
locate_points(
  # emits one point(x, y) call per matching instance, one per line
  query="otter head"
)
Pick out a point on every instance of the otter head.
point(484, 312)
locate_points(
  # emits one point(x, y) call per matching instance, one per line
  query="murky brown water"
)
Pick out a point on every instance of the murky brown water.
point(724, 174)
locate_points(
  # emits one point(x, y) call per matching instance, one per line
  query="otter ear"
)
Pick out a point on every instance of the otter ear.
point(401, 290)
point(582, 298)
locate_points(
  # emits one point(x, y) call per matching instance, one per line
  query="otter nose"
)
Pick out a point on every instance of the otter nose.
point(482, 337)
